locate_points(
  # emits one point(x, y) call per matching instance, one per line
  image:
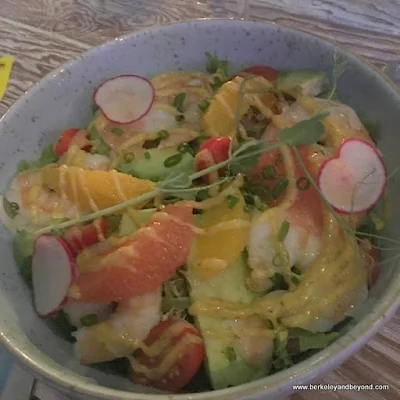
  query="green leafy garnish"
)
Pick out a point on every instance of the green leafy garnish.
point(23, 165)
point(179, 100)
point(373, 128)
point(98, 144)
point(117, 131)
point(10, 208)
point(163, 134)
point(283, 231)
point(246, 162)
point(203, 105)
point(279, 282)
point(176, 180)
point(147, 155)
point(232, 201)
point(213, 64)
point(305, 132)
point(89, 320)
point(63, 326)
point(46, 157)
point(22, 251)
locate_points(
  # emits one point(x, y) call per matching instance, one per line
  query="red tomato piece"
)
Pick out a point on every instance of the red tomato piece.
point(173, 354)
point(212, 151)
point(268, 73)
point(64, 141)
point(79, 238)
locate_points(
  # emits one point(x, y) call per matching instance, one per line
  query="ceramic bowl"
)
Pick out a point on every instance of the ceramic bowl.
point(63, 99)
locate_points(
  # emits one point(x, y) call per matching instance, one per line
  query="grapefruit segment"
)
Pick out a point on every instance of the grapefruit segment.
point(143, 261)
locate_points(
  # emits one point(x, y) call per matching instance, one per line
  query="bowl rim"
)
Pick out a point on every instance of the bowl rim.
point(302, 372)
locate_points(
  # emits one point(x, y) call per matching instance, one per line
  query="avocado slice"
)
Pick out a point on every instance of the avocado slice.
point(224, 367)
point(156, 164)
point(303, 82)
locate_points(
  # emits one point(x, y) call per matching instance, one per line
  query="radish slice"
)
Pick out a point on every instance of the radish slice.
point(53, 270)
point(124, 99)
point(355, 179)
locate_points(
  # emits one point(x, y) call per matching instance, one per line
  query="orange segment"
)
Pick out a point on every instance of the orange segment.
point(220, 117)
point(94, 190)
point(226, 237)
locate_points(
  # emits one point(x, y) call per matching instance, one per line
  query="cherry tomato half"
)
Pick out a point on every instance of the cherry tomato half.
point(64, 141)
point(216, 149)
point(79, 238)
point(268, 73)
point(178, 345)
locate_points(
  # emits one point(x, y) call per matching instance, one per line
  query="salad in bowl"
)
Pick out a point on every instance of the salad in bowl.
point(203, 224)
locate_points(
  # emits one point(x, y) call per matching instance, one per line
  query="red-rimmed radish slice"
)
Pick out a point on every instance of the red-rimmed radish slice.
point(124, 99)
point(355, 179)
point(53, 270)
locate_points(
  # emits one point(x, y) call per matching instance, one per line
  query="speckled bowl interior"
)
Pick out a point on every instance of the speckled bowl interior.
point(63, 99)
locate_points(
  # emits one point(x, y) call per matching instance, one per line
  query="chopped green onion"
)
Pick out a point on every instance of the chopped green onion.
point(11, 208)
point(179, 100)
point(89, 320)
point(179, 118)
point(295, 280)
point(279, 188)
point(269, 324)
point(269, 172)
point(262, 207)
point(295, 270)
point(117, 131)
point(129, 157)
point(230, 354)
point(278, 159)
point(203, 105)
point(283, 231)
point(163, 134)
point(232, 201)
point(203, 195)
point(302, 183)
point(173, 160)
point(147, 155)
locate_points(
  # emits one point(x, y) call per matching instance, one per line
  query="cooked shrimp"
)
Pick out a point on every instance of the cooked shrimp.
point(122, 333)
point(268, 255)
point(80, 158)
point(37, 204)
point(252, 341)
point(342, 122)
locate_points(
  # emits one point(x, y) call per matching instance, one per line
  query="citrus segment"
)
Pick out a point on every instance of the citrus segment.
point(141, 263)
point(227, 231)
point(94, 190)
